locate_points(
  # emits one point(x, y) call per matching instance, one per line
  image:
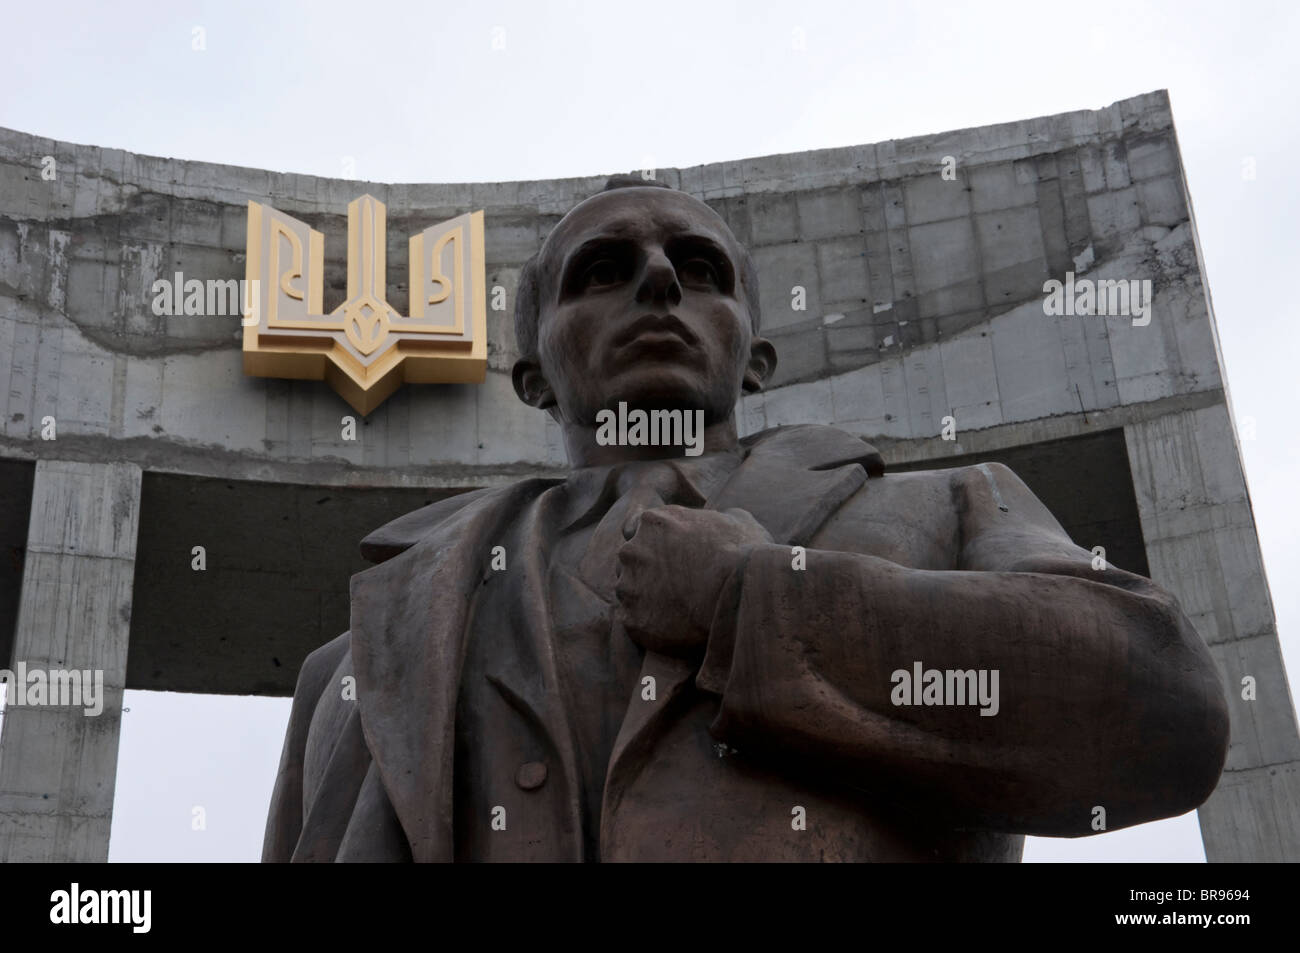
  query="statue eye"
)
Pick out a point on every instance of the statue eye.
point(698, 271)
point(602, 273)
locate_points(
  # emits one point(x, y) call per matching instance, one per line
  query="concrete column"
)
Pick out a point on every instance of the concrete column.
point(58, 765)
point(1201, 545)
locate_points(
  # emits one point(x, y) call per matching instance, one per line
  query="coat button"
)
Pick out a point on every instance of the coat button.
point(531, 775)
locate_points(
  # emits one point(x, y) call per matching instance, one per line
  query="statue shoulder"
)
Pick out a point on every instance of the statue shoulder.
point(993, 486)
point(320, 666)
point(400, 534)
point(814, 446)
point(973, 489)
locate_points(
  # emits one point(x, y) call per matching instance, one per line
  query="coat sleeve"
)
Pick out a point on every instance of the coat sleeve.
point(285, 819)
point(1099, 691)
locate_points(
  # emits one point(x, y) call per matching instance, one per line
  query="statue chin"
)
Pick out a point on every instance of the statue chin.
point(659, 400)
point(669, 387)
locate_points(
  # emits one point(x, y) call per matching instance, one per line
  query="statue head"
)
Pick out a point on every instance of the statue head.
point(640, 294)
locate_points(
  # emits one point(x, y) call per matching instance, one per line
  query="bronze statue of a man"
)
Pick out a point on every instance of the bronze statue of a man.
point(767, 650)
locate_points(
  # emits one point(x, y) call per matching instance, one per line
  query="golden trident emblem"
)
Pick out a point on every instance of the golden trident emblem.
point(364, 348)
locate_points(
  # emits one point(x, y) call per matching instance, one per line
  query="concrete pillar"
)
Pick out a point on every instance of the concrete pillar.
point(58, 765)
point(1201, 545)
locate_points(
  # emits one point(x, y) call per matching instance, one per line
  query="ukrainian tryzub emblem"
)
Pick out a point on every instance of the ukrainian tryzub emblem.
point(364, 348)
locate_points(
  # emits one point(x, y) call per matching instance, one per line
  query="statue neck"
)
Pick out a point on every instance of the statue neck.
point(625, 437)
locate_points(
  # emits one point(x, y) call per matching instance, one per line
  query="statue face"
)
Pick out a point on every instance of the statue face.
point(641, 301)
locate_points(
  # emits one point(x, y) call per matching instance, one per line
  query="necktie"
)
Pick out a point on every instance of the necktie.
point(641, 487)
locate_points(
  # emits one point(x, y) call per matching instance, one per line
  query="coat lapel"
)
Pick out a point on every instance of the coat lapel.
point(794, 478)
point(526, 674)
point(410, 620)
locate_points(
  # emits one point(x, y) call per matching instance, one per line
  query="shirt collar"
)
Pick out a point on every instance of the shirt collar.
point(591, 491)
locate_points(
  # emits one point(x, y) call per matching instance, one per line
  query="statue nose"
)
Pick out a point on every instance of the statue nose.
point(659, 281)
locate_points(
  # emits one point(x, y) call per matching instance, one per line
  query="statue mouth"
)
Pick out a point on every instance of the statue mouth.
point(657, 331)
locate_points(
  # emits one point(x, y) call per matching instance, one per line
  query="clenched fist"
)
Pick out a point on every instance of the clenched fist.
point(671, 572)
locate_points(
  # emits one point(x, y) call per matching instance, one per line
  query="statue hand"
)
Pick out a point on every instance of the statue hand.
point(671, 572)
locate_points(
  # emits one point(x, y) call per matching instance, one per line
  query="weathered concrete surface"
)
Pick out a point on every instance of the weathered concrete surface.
point(58, 764)
point(1201, 544)
point(895, 264)
point(921, 299)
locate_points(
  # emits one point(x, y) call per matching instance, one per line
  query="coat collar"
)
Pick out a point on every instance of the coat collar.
point(812, 448)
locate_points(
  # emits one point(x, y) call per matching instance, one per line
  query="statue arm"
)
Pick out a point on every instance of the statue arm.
point(1106, 695)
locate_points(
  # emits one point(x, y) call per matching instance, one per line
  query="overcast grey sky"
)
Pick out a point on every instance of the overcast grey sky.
point(484, 91)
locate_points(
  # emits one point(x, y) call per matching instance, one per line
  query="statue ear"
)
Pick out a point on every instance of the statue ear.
point(762, 362)
point(531, 386)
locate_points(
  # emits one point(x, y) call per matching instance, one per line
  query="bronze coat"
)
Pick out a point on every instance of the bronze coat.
point(1108, 696)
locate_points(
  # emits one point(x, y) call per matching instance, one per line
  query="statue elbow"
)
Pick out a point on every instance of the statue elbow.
point(1209, 724)
point(1200, 714)
point(1191, 740)
point(1177, 714)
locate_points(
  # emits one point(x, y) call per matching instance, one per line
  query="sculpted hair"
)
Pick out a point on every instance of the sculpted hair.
point(527, 306)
